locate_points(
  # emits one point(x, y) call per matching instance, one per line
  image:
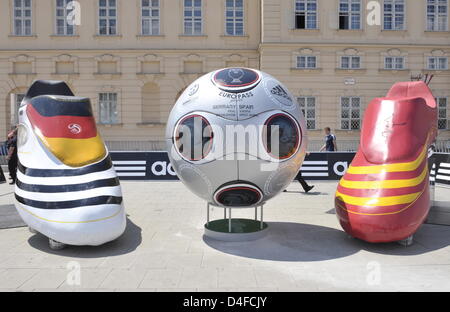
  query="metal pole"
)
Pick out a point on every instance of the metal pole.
point(224, 213)
point(229, 220)
point(432, 183)
point(262, 222)
point(207, 214)
point(256, 213)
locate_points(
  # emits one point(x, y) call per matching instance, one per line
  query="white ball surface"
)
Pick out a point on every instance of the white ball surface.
point(236, 137)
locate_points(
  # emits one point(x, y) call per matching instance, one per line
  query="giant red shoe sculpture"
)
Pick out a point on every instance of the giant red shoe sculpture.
point(384, 196)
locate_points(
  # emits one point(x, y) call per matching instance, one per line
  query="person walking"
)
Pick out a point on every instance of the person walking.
point(302, 181)
point(12, 155)
point(330, 141)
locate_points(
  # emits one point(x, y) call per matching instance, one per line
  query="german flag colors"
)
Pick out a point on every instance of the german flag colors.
point(66, 127)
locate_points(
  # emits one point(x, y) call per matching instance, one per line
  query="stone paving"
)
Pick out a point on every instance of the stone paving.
point(163, 249)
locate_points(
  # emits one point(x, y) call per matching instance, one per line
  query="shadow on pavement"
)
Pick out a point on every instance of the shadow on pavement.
point(126, 243)
point(287, 241)
point(6, 194)
point(315, 193)
point(9, 218)
point(308, 194)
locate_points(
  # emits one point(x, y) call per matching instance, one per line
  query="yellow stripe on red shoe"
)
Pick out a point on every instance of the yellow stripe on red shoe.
point(400, 167)
point(385, 184)
point(377, 201)
point(338, 205)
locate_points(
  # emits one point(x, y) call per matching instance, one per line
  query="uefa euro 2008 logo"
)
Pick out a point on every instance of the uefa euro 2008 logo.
point(236, 75)
point(75, 128)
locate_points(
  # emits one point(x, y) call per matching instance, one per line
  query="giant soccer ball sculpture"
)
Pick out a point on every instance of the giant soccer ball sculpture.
point(67, 188)
point(236, 138)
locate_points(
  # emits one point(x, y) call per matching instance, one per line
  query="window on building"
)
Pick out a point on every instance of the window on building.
point(19, 98)
point(350, 14)
point(15, 105)
point(350, 113)
point(394, 14)
point(308, 107)
point(437, 63)
point(107, 13)
point(22, 17)
point(442, 112)
point(394, 62)
point(306, 14)
point(150, 17)
point(234, 14)
point(306, 61)
point(193, 17)
point(62, 11)
point(350, 62)
point(437, 15)
point(108, 108)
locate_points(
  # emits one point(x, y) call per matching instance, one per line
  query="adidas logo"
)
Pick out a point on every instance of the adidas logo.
point(278, 90)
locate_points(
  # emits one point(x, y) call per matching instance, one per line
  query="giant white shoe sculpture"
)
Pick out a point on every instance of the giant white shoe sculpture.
point(67, 188)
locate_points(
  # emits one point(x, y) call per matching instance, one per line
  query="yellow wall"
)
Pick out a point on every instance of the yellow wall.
point(270, 43)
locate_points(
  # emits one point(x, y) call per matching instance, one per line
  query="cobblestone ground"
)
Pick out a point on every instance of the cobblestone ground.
point(163, 249)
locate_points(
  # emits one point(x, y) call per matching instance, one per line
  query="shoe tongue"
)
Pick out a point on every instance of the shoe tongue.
point(412, 89)
point(394, 129)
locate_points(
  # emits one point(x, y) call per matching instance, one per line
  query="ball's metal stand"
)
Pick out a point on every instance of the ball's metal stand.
point(229, 235)
point(208, 205)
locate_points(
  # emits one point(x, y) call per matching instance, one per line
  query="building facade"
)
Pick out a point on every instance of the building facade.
point(134, 57)
point(329, 56)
